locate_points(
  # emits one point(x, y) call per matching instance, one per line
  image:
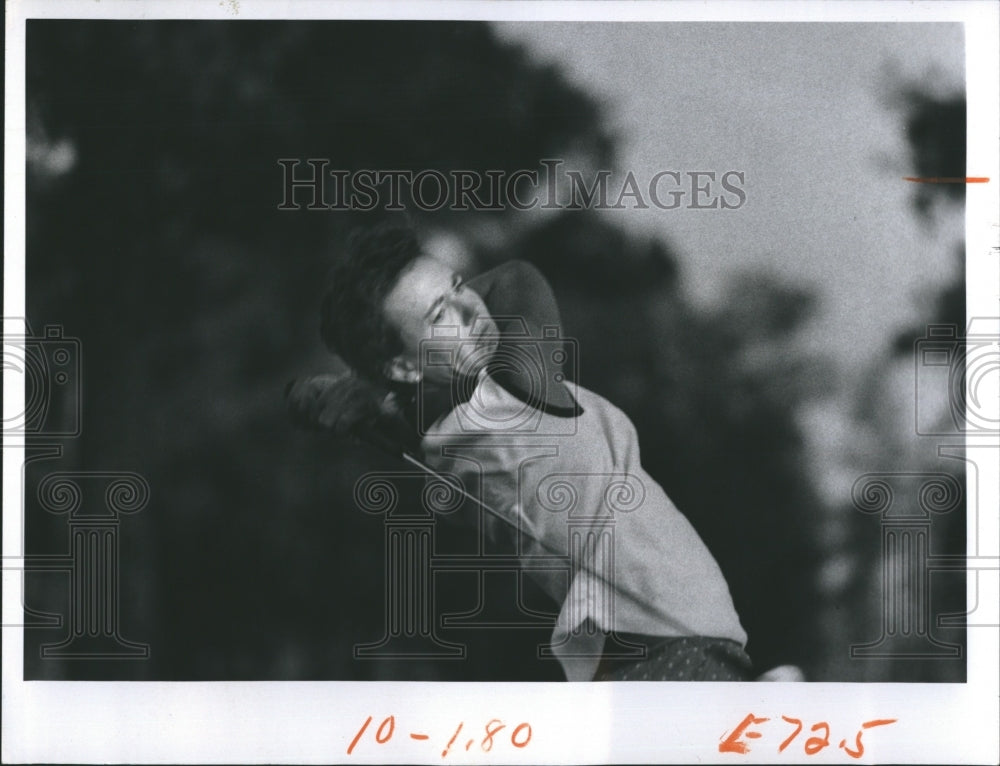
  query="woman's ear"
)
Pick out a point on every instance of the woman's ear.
point(402, 370)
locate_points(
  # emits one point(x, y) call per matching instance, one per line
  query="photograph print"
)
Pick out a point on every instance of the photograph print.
point(411, 350)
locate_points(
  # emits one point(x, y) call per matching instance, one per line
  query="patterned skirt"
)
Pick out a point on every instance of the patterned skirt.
point(679, 658)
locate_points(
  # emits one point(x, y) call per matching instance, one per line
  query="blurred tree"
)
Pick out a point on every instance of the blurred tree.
point(935, 131)
point(887, 399)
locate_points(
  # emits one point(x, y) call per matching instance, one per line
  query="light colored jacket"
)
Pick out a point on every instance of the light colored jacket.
point(575, 486)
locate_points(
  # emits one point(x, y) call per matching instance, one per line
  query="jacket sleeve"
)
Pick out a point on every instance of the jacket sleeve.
point(483, 472)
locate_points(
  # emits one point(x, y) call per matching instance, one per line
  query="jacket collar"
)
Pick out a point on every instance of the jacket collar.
point(532, 355)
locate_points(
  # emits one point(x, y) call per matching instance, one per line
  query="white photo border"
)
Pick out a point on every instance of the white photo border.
point(314, 722)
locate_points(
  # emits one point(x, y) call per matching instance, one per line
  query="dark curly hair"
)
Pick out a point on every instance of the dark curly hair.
point(352, 324)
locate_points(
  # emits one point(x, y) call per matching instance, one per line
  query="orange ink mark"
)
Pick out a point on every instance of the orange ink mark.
point(732, 742)
point(798, 728)
point(521, 727)
point(878, 722)
point(857, 743)
point(948, 180)
point(382, 736)
point(451, 741)
point(491, 731)
point(357, 736)
point(857, 739)
point(815, 744)
point(419, 736)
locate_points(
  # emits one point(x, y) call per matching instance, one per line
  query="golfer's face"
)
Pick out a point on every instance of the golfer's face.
point(445, 326)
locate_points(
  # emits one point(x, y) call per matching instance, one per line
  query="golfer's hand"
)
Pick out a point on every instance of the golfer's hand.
point(340, 404)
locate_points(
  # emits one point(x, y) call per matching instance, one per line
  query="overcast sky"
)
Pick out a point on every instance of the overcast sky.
point(803, 110)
